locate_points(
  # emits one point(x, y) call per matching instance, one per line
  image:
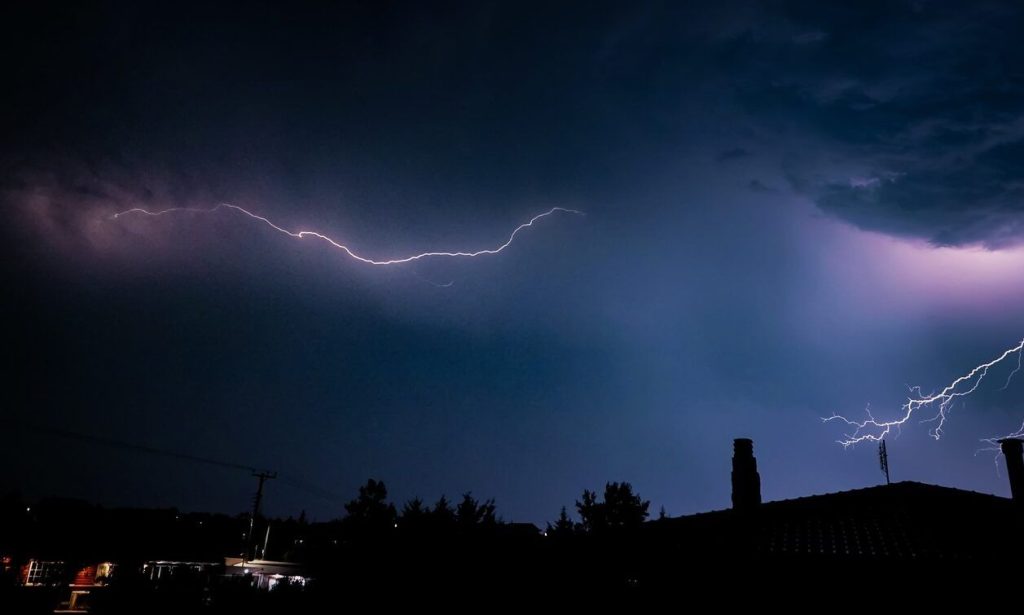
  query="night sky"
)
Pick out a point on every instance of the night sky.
point(792, 209)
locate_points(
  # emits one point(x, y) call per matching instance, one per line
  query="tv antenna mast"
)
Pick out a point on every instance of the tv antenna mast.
point(883, 460)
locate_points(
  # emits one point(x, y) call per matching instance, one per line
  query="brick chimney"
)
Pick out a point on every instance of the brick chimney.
point(746, 482)
point(1013, 452)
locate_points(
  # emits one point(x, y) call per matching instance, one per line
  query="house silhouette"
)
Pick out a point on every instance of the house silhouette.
point(905, 521)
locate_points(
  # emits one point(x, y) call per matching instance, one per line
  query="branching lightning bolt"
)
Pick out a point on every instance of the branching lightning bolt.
point(874, 430)
point(993, 443)
point(344, 248)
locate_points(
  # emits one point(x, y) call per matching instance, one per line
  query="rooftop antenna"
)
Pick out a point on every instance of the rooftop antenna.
point(883, 460)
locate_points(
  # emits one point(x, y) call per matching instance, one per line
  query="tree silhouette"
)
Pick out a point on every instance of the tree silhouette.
point(413, 509)
point(371, 512)
point(620, 509)
point(443, 510)
point(591, 515)
point(470, 513)
point(563, 527)
point(415, 516)
point(441, 518)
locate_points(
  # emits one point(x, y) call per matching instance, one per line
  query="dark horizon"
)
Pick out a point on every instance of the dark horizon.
point(790, 211)
point(294, 484)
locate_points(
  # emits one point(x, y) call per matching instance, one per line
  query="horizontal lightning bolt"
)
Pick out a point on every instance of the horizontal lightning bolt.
point(344, 248)
point(874, 430)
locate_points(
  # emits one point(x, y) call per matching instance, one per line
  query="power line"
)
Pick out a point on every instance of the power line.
point(142, 448)
point(311, 489)
point(114, 443)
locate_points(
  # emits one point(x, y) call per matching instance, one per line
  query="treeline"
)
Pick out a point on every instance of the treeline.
point(445, 547)
point(370, 513)
point(75, 530)
point(440, 549)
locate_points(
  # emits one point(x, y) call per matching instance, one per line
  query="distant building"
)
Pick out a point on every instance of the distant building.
point(38, 572)
point(54, 573)
point(162, 570)
point(266, 574)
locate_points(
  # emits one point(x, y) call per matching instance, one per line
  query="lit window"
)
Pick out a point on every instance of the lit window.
point(40, 573)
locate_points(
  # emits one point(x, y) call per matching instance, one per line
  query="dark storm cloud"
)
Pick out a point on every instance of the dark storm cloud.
point(757, 185)
point(907, 110)
point(695, 302)
point(70, 204)
point(732, 154)
point(918, 105)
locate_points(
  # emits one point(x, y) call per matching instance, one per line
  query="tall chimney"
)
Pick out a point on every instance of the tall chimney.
point(1013, 451)
point(746, 482)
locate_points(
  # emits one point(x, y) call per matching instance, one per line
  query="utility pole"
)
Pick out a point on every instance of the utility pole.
point(883, 460)
point(266, 541)
point(249, 549)
point(257, 499)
